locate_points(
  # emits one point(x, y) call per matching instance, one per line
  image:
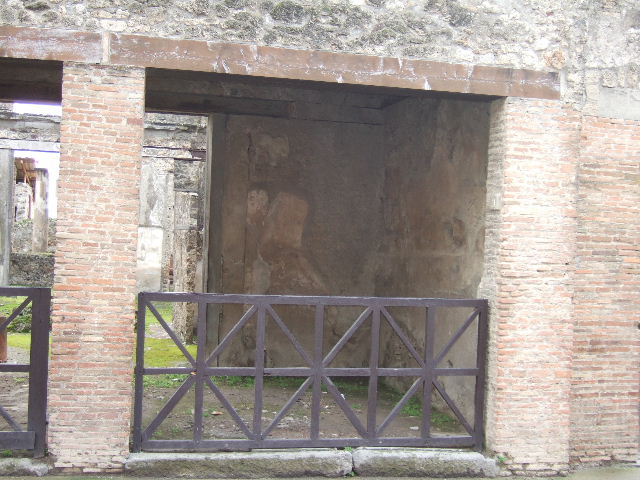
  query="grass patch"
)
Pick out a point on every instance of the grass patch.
point(165, 309)
point(285, 382)
point(444, 421)
point(173, 380)
point(9, 304)
point(351, 386)
point(19, 340)
point(164, 381)
point(413, 408)
point(233, 381)
point(162, 352)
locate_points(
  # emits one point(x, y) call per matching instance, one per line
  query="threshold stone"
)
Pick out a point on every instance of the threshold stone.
point(413, 462)
point(255, 464)
point(23, 467)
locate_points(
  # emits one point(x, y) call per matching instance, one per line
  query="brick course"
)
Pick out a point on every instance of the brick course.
point(606, 347)
point(529, 255)
point(93, 312)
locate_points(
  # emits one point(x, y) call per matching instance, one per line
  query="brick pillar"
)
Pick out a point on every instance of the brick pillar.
point(95, 274)
point(529, 255)
point(606, 379)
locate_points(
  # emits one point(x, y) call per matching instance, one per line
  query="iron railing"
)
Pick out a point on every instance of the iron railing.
point(202, 372)
point(34, 437)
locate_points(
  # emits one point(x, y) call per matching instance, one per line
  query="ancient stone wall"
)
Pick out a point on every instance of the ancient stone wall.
point(301, 214)
point(31, 270)
point(589, 42)
point(22, 201)
point(562, 193)
point(434, 213)
point(21, 236)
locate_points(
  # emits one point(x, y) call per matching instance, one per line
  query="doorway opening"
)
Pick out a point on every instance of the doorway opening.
point(332, 190)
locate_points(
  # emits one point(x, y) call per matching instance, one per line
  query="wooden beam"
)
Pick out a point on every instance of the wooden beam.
point(177, 102)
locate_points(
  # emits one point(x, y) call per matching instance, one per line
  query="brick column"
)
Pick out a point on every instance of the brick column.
point(95, 274)
point(606, 378)
point(529, 255)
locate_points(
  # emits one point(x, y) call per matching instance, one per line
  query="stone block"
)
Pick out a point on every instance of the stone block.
point(420, 462)
point(257, 464)
point(23, 467)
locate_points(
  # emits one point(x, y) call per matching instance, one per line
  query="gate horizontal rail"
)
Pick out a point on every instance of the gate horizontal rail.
point(34, 437)
point(201, 372)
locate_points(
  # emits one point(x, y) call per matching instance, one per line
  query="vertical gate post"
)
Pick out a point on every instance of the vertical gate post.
point(101, 135)
point(39, 361)
point(528, 279)
point(4, 354)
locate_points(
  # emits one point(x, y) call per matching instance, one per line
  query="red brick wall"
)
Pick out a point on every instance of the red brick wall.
point(93, 313)
point(605, 397)
point(564, 286)
point(529, 255)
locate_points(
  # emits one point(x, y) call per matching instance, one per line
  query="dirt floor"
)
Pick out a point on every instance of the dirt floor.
point(296, 424)
point(14, 390)
point(240, 392)
point(219, 424)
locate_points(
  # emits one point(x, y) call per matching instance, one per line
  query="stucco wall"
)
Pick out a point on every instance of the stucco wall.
point(434, 206)
point(301, 214)
point(323, 208)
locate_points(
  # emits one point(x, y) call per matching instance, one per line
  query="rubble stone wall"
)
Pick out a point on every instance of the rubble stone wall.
point(589, 42)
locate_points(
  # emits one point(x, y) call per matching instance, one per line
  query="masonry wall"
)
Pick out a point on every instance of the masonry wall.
point(528, 278)
point(605, 383)
point(534, 205)
point(93, 313)
point(300, 214)
point(434, 225)
point(590, 42)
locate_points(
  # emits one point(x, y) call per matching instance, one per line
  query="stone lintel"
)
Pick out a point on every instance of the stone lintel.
point(49, 44)
point(330, 67)
point(275, 62)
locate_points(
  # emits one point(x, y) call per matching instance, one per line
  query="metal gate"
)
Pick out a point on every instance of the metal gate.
point(34, 437)
point(201, 372)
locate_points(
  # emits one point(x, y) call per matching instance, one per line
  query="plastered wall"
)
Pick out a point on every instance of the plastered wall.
point(326, 208)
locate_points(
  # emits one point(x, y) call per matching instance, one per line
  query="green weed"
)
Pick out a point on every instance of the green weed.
point(413, 408)
point(164, 381)
point(22, 323)
point(352, 386)
point(443, 421)
point(234, 381)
